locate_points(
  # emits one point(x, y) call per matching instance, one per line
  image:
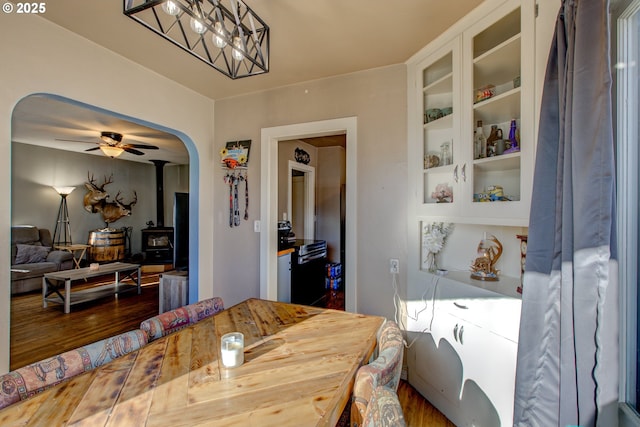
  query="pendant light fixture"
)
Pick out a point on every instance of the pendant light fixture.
point(226, 34)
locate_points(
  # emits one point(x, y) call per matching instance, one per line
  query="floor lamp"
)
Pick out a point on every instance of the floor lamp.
point(62, 232)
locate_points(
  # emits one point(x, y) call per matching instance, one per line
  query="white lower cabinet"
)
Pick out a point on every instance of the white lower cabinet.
point(284, 277)
point(465, 364)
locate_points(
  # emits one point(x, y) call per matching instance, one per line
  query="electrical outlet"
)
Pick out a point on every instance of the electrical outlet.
point(256, 226)
point(394, 266)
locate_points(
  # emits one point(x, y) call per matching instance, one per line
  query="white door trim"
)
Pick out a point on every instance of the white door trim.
point(269, 201)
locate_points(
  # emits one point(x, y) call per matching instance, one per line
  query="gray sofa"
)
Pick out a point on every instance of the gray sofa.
point(32, 257)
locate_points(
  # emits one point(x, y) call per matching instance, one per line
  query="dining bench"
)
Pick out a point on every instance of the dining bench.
point(32, 379)
point(181, 317)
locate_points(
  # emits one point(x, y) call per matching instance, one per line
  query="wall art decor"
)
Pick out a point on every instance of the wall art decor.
point(301, 156)
point(235, 154)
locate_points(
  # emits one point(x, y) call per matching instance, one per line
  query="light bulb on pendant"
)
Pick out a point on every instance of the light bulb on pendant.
point(218, 35)
point(236, 52)
point(170, 8)
point(197, 26)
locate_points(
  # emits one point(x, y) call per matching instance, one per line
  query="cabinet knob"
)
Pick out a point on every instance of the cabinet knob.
point(464, 173)
point(462, 306)
point(455, 173)
point(455, 332)
point(460, 334)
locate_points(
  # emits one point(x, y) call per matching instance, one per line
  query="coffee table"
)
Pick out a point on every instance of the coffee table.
point(56, 286)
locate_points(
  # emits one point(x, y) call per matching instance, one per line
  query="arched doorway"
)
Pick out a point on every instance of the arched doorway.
point(51, 136)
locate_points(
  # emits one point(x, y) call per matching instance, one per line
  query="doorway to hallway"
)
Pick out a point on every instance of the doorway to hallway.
point(271, 137)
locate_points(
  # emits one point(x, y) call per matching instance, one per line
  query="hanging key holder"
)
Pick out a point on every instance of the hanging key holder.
point(229, 179)
point(234, 157)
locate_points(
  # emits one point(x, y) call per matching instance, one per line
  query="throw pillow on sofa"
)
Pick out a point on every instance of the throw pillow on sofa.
point(29, 254)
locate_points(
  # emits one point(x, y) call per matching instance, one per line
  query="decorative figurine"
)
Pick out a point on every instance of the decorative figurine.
point(484, 267)
point(443, 193)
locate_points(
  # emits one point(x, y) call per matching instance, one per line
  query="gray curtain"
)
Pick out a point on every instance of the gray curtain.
point(567, 372)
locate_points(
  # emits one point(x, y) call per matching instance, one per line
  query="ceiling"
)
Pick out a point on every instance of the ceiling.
point(51, 122)
point(310, 40)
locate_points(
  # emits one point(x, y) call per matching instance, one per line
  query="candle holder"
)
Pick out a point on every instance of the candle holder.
point(232, 349)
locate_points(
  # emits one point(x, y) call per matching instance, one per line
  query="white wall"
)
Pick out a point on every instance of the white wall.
point(378, 99)
point(35, 169)
point(40, 57)
point(330, 178)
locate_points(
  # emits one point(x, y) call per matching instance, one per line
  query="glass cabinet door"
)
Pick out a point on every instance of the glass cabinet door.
point(494, 94)
point(440, 128)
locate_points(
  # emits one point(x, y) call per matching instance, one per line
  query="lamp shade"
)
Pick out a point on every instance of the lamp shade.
point(63, 191)
point(111, 151)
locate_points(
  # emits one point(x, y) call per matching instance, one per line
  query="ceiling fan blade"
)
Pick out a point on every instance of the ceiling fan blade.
point(133, 151)
point(92, 149)
point(76, 140)
point(143, 146)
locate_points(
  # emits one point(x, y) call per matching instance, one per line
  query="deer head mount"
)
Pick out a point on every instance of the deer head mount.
point(113, 211)
point(97, 200)
point(96, 193)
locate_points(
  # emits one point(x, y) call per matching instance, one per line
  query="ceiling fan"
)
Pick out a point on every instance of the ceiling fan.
point(112, 146)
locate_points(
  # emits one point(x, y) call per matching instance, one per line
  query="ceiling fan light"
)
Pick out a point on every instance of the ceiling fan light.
point(111, 151)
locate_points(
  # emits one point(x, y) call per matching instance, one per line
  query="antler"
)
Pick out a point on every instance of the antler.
point(135, 199)
point(117, 198)
point(92, 182)
point(494, 252)
point(106, 181)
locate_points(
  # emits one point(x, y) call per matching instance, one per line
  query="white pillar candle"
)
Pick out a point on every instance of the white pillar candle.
point(232, 349)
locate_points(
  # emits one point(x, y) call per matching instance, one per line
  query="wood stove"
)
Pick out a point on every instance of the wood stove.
point(157, 245)
point(157, 242)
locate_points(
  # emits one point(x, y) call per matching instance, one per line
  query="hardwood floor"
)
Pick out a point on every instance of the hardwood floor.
point(418, 412)
point(38, 333)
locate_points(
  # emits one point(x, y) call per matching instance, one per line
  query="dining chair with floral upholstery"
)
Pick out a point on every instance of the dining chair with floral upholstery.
point(384, 409)
point(385, 370)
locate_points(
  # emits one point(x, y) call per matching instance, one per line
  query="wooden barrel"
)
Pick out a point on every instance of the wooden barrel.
point(106, 246)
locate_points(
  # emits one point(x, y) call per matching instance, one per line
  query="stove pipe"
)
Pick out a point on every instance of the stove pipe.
point(159, 191)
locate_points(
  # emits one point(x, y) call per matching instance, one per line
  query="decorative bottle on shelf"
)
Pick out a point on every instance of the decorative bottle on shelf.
point(513, 140)
point(500, 144)
point(445, 153)
point(491, 141)
point(480, 143)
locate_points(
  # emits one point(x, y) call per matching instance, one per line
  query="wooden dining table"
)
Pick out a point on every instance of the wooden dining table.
point(299, 367)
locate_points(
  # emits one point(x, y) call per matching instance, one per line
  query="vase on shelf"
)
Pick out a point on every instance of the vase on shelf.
point(430, 262)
